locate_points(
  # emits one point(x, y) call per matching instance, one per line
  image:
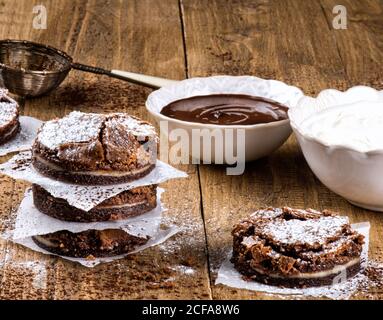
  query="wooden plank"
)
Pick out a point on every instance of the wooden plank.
point(141, 36)
point(361, 44)
point(269, 39)
point(361, 49)
point(263, 38)
point(26, 274)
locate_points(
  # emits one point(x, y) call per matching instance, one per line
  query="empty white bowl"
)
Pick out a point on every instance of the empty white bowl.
point(348, 171)
point(260, 139)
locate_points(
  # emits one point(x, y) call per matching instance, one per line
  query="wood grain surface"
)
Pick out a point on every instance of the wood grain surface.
point(292, 41)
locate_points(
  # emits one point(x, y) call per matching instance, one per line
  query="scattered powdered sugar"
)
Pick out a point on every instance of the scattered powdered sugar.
point(184, 269)
point(80, 127)
point(84, 197)
point(25, 138)
point(343, 288)
point(304, 231)
point(39, 270)
point(36, 271)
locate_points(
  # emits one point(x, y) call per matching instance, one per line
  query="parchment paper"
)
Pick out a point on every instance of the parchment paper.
point(24, 139)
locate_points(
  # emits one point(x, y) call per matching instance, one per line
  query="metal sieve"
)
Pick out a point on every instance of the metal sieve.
point(32, 69)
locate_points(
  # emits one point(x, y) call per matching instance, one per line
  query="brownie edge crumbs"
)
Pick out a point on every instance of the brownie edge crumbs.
point(9, 117)
point(129, 203)
point(296, 248)
point(90, 243)
point(90, 148)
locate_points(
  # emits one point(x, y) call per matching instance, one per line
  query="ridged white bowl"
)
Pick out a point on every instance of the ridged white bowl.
point(354, 175)
point(260, 139)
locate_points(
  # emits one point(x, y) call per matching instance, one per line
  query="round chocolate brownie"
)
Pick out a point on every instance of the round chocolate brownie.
point(89, 243)
point(127, 204)
point(89, 148)
point(296, 248)
point(9, 117)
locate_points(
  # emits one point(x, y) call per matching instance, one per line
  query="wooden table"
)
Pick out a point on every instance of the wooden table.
point(292, 41)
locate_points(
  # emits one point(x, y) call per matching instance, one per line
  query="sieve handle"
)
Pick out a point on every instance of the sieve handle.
point(142, 79)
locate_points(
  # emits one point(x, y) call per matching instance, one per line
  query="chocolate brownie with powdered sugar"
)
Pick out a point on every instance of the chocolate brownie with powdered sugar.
point(90, 148)
point(296, 248)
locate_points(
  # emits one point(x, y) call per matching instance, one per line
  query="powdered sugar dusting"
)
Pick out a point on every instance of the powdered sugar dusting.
point(7, 112)
point(80, 127)
point(305, 231)
point(8, 108)
point(76, 127)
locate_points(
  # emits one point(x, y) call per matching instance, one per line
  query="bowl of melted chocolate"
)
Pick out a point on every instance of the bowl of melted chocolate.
point(224, 118)
point(226, 109)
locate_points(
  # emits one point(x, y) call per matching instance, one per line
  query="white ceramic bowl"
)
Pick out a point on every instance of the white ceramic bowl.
point(354, 175)
point(260, 139)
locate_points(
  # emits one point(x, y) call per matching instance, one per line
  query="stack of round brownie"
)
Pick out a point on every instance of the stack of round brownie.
point(95, 149)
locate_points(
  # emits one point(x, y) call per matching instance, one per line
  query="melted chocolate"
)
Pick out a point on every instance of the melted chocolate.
point(226, 109)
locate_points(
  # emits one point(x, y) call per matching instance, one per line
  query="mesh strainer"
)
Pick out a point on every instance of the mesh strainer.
point(31, 69)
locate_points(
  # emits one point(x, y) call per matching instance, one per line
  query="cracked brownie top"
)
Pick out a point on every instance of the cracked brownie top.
point(89, 141)
point(289, 241)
